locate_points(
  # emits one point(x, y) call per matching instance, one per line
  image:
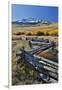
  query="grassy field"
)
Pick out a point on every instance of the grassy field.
point(25, 74)
point(46, 29)
point(29, 75)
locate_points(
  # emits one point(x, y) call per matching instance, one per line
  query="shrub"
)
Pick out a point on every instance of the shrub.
point(29, 33)
point(47, 34)
point(19, 33)
point(39, 33)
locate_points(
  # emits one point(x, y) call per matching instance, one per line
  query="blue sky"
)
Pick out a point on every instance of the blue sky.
point(38, 12)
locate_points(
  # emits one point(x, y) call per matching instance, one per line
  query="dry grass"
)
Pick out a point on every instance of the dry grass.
point(50, 29)
point(17, 44)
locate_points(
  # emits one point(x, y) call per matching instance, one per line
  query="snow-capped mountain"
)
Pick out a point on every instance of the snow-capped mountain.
point(31, 21)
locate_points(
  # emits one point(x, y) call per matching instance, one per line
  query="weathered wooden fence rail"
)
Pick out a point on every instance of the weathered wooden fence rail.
point(42, 65)
point(48, 70)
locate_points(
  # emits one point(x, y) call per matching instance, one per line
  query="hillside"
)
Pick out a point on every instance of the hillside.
point(51, 29)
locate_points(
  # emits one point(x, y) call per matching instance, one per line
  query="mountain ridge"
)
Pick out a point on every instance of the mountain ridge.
point(31, 21)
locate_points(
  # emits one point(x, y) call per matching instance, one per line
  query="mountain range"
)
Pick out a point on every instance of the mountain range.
point(31, 21)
